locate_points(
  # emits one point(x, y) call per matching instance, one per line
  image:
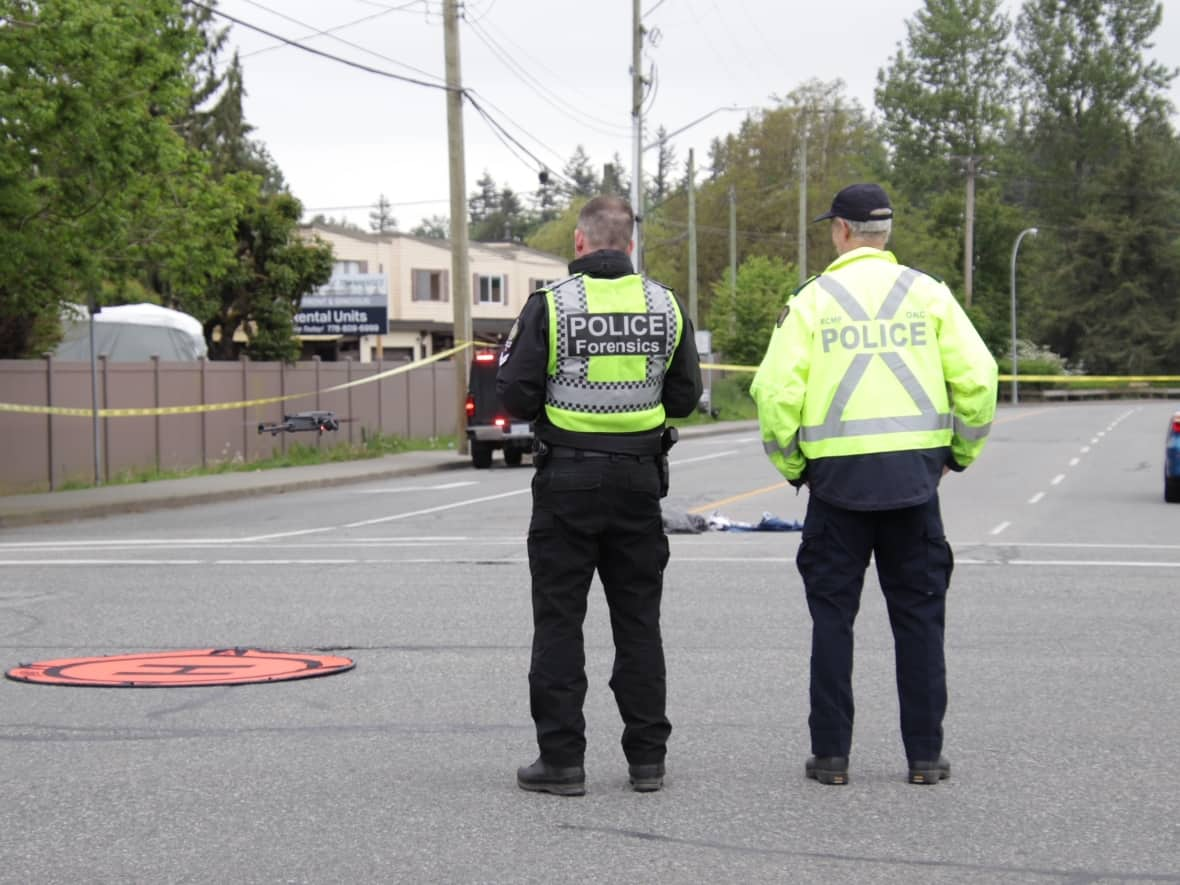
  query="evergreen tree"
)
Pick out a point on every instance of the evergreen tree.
point(661, 185)
point(436, 227)
point(484, 202)
point(946, 94)
point(580, 177)
point(546, 198)
point(1100, 182)
point(614, 177)
point(381, 219)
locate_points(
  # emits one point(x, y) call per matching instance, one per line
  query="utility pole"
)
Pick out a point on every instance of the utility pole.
point(732, 241)
point(802, 199)
point(969, 232)
point(637, 130)
point(460, 279)
point(692, 241)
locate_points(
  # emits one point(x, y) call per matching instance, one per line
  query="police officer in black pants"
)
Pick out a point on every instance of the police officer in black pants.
point(598, 361)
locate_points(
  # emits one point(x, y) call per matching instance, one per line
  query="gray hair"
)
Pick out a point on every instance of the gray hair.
point(607, 223)
point(871, 230)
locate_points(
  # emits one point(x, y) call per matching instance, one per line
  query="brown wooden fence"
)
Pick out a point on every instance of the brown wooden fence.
point(41, 451)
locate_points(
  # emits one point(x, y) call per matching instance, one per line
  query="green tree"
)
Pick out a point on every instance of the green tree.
point(580, 178)
point(614, 177)
point(1100, 180)
point(546, 198)
point(743, 317)
point(661, 182)
point(274, 268)
point(762, 167)
point(557, 236)
point(484, 201)
point(94, 179)
point(436, 227)
point(945, 95)
point(506, 222)
point(381, 219)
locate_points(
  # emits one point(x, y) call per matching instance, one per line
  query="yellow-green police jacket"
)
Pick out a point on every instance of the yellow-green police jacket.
point(874, 379)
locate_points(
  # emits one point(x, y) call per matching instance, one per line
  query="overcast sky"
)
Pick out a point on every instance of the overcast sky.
point(554, 73)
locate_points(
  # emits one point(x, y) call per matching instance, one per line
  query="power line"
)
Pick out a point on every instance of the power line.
point(314, 51)
point(500, 130)
point(539, 89)
point(497, 128)
point(317, 32)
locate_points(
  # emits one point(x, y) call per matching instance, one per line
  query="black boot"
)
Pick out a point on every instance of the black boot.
point(646, 778)
point(929, 772)
point(540, 777)
point(832, 770)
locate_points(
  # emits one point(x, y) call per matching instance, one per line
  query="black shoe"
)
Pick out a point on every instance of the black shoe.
point(646, 778)
point(540, 777)
point(929, 772)
point(832, 770)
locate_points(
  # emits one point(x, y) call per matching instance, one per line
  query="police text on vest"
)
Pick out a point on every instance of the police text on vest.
point(617, 334)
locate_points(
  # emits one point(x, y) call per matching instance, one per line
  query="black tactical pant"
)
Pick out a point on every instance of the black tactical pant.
point(914, 564)
point(597, 513)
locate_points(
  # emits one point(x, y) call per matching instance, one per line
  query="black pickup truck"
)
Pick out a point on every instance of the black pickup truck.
point(489, 426)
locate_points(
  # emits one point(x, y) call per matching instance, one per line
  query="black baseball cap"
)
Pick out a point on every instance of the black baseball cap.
point(860, 202)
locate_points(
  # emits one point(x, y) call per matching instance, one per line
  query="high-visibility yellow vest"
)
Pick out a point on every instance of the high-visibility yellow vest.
point(872, 356)
point(610, 341)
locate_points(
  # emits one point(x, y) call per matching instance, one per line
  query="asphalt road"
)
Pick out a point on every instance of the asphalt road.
point(1061, 652)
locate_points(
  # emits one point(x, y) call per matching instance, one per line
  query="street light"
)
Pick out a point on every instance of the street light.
point(1015, 248)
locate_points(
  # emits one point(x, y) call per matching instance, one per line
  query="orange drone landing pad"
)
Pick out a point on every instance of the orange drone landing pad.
point(164, 669)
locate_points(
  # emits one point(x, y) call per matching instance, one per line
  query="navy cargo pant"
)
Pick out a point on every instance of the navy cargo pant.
point(914, 564)
point(597, 513)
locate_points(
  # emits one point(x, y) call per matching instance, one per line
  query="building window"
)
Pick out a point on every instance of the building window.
point(429, 285)
point(349, 268)
point(490, 289)
point(536, 283)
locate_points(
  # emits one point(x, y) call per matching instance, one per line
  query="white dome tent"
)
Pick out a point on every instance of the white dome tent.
point(132, 333)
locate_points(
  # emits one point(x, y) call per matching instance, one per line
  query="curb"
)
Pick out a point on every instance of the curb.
point(58, 507)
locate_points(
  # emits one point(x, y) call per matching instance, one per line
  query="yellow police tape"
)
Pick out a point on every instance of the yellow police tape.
point(443, 354)
point(218, 407)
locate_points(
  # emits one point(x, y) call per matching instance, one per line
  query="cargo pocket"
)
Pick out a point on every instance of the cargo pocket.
point(811, 546)
point(940, 560)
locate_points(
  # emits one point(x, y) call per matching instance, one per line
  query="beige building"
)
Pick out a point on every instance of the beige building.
point(390, 295)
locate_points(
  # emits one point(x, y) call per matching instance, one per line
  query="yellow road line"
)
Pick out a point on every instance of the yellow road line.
point(741, 497)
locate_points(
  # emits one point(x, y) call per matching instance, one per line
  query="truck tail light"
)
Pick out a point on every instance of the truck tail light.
point(503, 423)
point(469, 406)
point(1176, 424)
point(485, 357)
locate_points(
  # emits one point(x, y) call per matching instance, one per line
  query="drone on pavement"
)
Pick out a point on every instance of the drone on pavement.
point(317, 421)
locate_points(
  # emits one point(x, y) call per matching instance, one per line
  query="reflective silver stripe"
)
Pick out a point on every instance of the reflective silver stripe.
point(571, 389)
point(844, 298)
point(969, 433)
point(874, 426)
point(911, 384)
point(901, 288)
point(770, 447)
point(833, 426)
point(569, 297)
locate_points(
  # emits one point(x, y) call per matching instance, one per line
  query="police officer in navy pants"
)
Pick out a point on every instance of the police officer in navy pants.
point(598, 361)
point(875, 385)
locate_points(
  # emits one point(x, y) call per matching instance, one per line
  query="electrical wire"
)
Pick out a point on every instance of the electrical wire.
point(569, 109)
point(341, 40)
point(503, 134)
point(536, 62)
point(316, 32)
point(483, 98)
point(296, 44)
